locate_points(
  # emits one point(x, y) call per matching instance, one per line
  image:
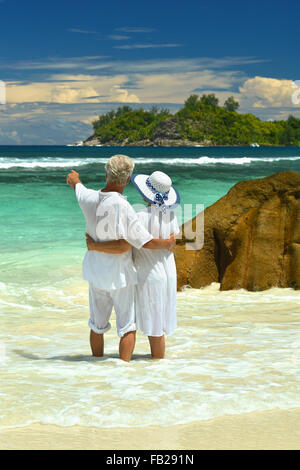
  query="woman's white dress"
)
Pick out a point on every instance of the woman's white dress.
point(157, 284)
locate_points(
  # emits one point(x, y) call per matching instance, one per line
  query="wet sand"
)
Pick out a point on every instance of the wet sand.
point(278, 429)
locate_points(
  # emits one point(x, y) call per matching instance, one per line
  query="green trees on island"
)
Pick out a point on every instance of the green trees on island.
point(129, 124)
point(209, 100)
point(231, 104)
point(199, 120)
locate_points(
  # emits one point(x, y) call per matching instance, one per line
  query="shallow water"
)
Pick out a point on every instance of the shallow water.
point(233, 352)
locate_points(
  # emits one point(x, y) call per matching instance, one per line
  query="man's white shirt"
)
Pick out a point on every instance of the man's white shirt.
point(109, 216)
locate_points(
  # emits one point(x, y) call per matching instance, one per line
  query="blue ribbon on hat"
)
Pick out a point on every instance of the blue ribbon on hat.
point(159, 197)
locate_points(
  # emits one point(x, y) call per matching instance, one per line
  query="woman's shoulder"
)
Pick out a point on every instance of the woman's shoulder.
point(143, 213)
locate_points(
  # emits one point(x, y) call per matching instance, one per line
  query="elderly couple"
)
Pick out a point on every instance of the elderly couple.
point(129, 263)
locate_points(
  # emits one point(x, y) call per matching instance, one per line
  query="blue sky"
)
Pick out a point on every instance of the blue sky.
point(65, 62)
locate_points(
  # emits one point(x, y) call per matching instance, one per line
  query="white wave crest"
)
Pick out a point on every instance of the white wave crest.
point(6, 163)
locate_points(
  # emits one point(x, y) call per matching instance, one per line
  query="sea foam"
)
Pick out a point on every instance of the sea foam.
point(6, 163)
point(233, 352)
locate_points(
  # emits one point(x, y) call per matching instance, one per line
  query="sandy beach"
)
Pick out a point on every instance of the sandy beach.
point(258, 430)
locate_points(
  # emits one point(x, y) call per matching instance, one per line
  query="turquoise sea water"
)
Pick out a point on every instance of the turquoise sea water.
point(248, 341)
point(38, 210)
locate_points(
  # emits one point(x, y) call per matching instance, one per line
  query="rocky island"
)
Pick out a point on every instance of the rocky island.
point(200, 122)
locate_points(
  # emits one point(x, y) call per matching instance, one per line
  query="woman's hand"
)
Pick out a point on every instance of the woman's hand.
point(89, 242)
point(172, 242)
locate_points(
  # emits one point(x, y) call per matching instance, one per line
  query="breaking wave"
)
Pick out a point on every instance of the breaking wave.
point(50, 162)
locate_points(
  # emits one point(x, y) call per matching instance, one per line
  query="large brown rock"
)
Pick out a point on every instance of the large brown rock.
point(251, 237)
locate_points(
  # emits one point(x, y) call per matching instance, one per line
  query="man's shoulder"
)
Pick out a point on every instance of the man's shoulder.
point(118, 205)
point(84, 193)
point(116, 199)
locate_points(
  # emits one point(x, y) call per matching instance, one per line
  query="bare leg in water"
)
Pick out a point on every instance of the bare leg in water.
point(157, 346)
point(126, 346)
point(97, 343)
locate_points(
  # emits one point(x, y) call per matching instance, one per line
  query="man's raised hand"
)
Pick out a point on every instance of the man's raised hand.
point(73, 178)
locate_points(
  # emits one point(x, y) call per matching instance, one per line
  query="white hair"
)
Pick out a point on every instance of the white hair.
point(119, 168)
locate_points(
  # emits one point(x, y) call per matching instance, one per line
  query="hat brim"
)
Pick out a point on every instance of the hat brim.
point(139, 181)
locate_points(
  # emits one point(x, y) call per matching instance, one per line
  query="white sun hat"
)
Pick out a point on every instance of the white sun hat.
point(157, 189)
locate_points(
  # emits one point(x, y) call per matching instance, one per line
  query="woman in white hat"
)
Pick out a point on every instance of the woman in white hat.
point(156, 269)
point(155, 293)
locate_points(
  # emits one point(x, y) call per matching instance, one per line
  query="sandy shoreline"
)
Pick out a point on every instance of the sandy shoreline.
point(278, 429)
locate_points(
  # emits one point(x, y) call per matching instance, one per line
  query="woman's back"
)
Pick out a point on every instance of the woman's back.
point(160, 225)
point(155, 292)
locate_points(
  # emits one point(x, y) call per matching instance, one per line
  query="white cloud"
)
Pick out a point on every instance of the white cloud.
point(54, 63)
point(81, 31)
point(147, 88)
point(114, 66)
point(146, 46)
point(122, 95)
point(169, 65)
point(147, 81)
point(176, 87)
point(72, 89)
point(152, 81)
point(118, 37)
point(264, 92)
point(135, 30)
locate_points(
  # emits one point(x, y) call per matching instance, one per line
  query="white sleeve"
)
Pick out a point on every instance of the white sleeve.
point(175, 226)
point(131, 229)
point(85, 196)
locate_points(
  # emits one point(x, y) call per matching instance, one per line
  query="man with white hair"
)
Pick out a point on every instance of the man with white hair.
point(112, 277)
